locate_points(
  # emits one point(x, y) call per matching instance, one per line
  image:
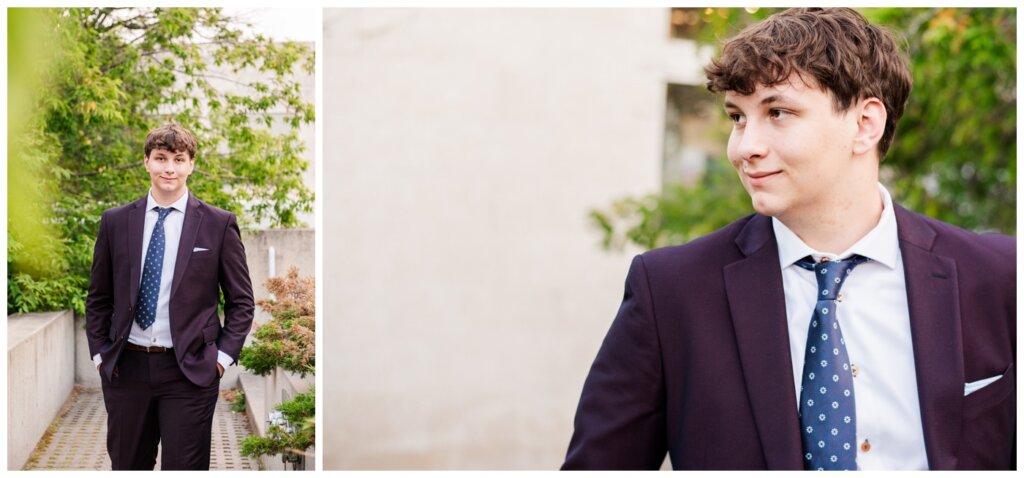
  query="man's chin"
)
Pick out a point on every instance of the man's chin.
point(168, 190)
point(764, 206)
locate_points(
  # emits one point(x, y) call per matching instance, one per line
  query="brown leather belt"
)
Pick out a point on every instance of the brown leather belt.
point(152, 350)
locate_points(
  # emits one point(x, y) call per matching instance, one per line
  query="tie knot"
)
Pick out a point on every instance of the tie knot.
point(163, 212)
point(831, 274)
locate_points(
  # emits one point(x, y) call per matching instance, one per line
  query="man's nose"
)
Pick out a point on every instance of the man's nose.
point(752, 146)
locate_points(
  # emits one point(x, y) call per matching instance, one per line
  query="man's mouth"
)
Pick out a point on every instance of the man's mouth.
point(760, 177)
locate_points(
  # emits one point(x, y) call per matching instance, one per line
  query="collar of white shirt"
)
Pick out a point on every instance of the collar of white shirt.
point(881, 244)
point(178, 205)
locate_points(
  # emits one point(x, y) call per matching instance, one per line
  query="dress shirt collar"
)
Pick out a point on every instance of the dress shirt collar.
point(880, 244)
point(178, 205)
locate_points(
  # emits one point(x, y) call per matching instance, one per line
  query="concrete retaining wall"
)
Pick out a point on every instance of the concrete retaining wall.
point(85, 372)
point(40, 376)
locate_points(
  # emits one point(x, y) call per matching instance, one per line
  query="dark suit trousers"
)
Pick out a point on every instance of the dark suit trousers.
point(149, 402)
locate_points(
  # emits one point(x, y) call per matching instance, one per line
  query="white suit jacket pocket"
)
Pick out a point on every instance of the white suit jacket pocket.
point(199, 249)
point(972, 387)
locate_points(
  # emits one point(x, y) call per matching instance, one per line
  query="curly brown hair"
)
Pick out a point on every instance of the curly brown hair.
point(172, 137)
point(837, 47)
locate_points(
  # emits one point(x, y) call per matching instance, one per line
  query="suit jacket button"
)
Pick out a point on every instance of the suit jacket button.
point(866, 446)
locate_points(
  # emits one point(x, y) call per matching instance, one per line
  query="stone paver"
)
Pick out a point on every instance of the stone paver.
point(77, 438)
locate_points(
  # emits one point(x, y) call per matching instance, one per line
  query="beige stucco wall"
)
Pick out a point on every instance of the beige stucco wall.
point(465, 294)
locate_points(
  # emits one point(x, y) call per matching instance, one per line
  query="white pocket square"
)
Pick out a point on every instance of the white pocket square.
point(199, 249)
point(972, 387)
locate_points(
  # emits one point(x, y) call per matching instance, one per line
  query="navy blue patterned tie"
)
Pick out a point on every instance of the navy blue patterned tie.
point(149, 290)
point(827, 407)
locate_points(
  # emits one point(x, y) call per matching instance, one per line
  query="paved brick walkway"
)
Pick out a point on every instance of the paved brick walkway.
point(77, 437)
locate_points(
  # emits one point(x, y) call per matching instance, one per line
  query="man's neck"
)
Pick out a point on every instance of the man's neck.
point(164, 199)
point(838, 228)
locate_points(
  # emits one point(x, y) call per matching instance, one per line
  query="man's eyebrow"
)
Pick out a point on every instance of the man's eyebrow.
point(777, 98)
point(767, 100)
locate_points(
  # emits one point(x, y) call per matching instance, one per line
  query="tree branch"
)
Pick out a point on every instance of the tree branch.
point(220, 176)
point(105, 169)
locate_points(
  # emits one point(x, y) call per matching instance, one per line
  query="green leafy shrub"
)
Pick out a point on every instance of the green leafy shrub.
point(677, 215)
point(300, 412)
point(288, 340)
point(238, 403)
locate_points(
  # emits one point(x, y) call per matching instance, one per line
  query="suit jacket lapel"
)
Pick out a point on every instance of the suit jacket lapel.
point(136, 225)
point(933, 300)
point(758, 306)
point(189, 231)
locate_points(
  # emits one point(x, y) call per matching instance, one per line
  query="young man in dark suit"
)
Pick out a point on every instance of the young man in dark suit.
point(832, 329)
point(151, 314)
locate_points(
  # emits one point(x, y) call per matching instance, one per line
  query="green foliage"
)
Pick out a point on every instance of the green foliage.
point(255, 446)
point(260, 358)
point(288, 340)
point(299, 408)
point(676, 215)
point(112, 75)
point(721, 23)
point(238, 404)
point(300, 412)
point(954, 157)
point(955, 154)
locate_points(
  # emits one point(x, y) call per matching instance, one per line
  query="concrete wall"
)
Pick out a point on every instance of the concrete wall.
point(40, 376)
point(465, 295)
point(292, 247)
point(85, 372)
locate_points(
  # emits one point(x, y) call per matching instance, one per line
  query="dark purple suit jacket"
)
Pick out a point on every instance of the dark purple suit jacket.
point(199, 276)
point(697, 361)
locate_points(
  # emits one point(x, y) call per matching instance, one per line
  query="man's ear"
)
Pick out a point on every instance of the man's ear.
point(870, 125)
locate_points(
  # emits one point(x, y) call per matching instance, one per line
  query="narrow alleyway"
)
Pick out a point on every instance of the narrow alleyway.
point(77, 437)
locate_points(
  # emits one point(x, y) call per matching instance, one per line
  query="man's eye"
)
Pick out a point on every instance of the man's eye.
point(776, 113)
point(736, 118)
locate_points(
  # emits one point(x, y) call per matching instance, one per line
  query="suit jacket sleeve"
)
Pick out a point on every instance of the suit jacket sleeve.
point(620, 421)
point(99, 303)
point(237, 289)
